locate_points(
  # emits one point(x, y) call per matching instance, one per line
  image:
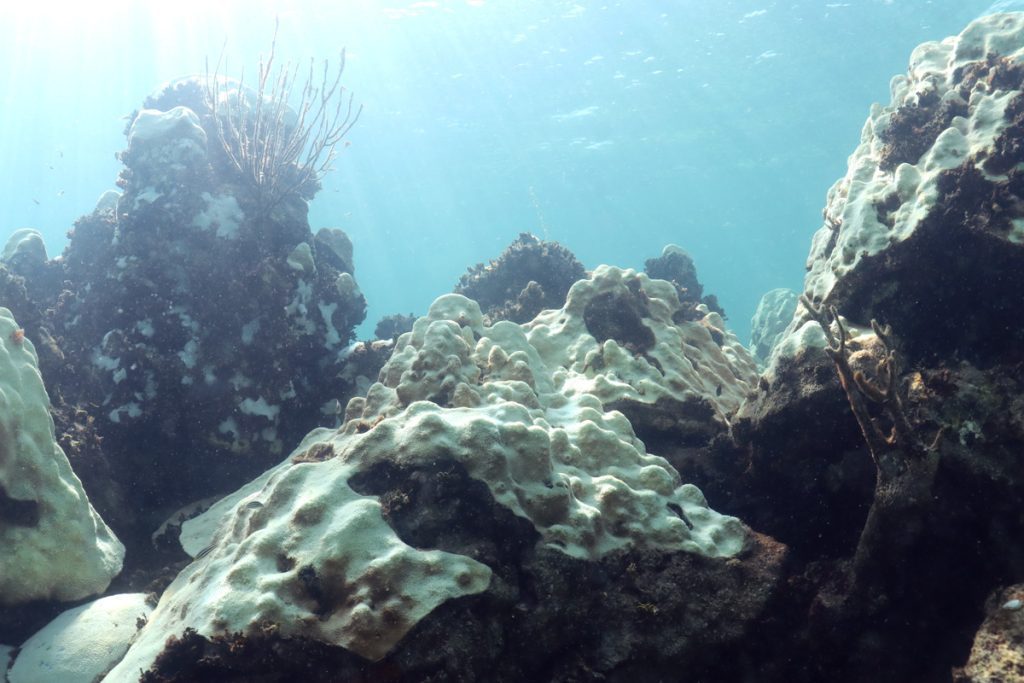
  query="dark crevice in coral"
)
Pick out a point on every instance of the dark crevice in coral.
point(669, 423)
point(15, 512)
point(442, 507)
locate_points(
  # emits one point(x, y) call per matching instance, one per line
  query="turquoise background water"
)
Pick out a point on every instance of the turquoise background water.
point(614, 128)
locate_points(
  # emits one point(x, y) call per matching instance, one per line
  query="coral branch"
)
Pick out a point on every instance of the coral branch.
point(279, 150)
point(891, 450)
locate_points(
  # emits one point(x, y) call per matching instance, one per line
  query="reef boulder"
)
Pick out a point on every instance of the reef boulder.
point(926, 229)
point(55, 546)
point(902, 482)
point(208, 323)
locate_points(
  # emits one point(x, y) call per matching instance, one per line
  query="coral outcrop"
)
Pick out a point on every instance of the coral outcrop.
point(202, 329)
point(677, 267)
point(882, 443)
point(929, 214)
point(486, 473)
point(529, 276)
point(55, 545)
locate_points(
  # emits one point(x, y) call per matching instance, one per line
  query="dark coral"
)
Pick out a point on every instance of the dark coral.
point(529, 276)
point(393, 326)
point(676, 266)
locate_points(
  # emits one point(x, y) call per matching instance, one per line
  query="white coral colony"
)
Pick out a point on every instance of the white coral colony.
point(54, 544)
point(521, 408)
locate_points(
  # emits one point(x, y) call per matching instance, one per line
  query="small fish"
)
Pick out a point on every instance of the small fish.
point(205, 551)
point(36, 201)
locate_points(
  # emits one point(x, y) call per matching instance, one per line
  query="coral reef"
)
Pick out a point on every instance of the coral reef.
point(209, 329)
point(529, 276)
point(512, 487)
point(676, 266)
point(486, 465)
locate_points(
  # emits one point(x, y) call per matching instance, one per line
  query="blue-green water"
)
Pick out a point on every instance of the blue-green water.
point(612, 127)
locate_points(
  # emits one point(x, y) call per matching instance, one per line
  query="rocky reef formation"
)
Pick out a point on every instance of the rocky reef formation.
point(522, 501)
point(998, 651)
point(529, 276)
point(899, 484)
point(196, 328)
point(482, 481)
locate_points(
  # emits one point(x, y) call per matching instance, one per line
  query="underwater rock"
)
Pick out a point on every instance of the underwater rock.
point(208, 324)
point(485, 475)
point(56, 547)
point(392, 326)
point(676, 266)
point(926, 230)
point(83, 643)
point(529, 276)
point(998, 652)
point(903, 483)
point(774, 312)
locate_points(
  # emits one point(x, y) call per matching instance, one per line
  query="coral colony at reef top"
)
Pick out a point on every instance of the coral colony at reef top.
point(509, 488)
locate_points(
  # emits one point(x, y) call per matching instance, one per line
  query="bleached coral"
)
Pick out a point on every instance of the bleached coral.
point(521, 409)
point(55, 546)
